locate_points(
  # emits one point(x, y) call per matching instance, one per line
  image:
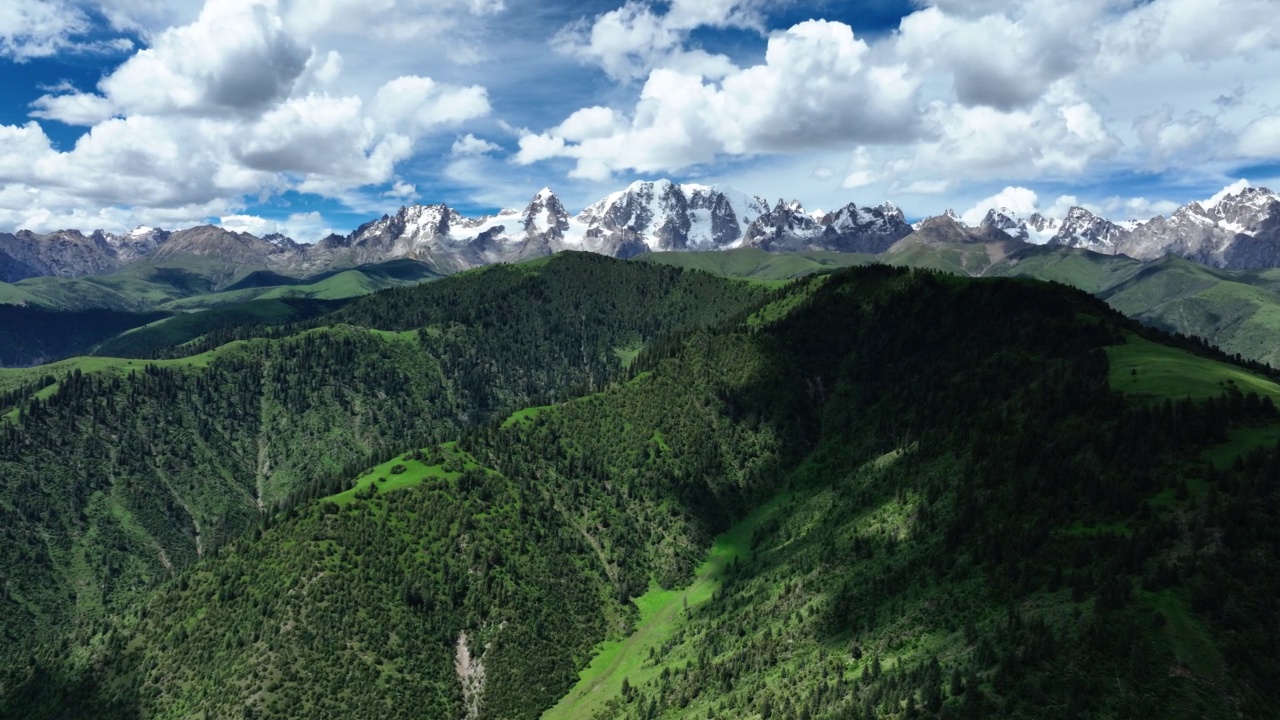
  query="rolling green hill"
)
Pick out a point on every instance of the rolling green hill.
point(80, 316)
point(326, 286)
point(176, 330)
point(886, 493)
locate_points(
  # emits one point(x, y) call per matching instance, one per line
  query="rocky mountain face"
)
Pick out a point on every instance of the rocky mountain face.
point(1236, 230)
point(1036, 229)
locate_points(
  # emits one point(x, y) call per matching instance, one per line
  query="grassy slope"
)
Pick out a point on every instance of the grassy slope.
point(185, 327)
point(1236, 311)
point(1089, 271)
point(661, 613)
point(1141, 367)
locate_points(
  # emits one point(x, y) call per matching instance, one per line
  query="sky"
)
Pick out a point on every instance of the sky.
point(313, 116)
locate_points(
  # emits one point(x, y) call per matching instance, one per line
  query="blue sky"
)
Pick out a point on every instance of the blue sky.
point(312, 116)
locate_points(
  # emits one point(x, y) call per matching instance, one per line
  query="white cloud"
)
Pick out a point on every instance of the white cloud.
point(1004, 58)
point(38, 28)
point(238, 103)
point(402, 191)
point(415, 105)
point(73, 108)
point(924, 187)
point(1135, 208)
point(1171, 141)
point(1232, 189)
point(1261, 138)
point(1020, 200)
point(309, 227)
point(237, 56)
point(471, 145)
point(814, 89)
point(1192, 29)
point(632, 40)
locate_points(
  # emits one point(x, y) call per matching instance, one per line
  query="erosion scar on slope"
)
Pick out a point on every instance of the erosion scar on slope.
point(471, 675)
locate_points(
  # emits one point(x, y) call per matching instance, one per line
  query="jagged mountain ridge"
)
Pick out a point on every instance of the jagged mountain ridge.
point(1235, 230)
point(644, 217)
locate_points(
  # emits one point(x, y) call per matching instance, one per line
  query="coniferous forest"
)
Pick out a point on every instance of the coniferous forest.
point(582, 487)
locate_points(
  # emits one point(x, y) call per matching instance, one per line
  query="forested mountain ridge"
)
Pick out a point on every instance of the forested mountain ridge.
point(973, 523)
point(1238, 311)
point(118, 474)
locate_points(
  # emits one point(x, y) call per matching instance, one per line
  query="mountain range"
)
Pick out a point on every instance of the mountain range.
point(1237, 229)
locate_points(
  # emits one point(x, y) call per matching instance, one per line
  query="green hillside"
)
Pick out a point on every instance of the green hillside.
point(1238, 312)
point(47, 319)
point(1092, 272)
point(757, 264)
point(176, 330)
point(887, 494)
point(326, 286)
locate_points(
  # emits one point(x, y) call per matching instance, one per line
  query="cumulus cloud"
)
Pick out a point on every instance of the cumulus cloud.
point(237, 103)
point(1170, 140)
point(632, 40)
point(1020, 200)
point(38, 28)
point(469, 145)
point(1005, 57)
point(814, 88)
point(73, 108)
point(1232, 189)
point(415, 105)
point(1196, 30)
point(308, 227)
point(1261, 138)
point(237, 56)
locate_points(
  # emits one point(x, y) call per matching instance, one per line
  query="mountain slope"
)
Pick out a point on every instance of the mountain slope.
point(967, 520)
point(1237, 311)
point(122, 473)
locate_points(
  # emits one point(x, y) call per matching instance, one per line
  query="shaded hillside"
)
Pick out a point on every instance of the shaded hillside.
point(31, 336)
point(1237, 311)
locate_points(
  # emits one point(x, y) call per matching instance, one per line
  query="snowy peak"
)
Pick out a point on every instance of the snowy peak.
point(546, 215)
point(1243, 212)
point(1083, 229)
point(1237, 228)
point(1036, 229)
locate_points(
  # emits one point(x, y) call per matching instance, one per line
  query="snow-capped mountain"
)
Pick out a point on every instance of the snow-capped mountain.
point(1083, 229)
point(1036, 229)
point(653, 216)
point(1237, 228)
